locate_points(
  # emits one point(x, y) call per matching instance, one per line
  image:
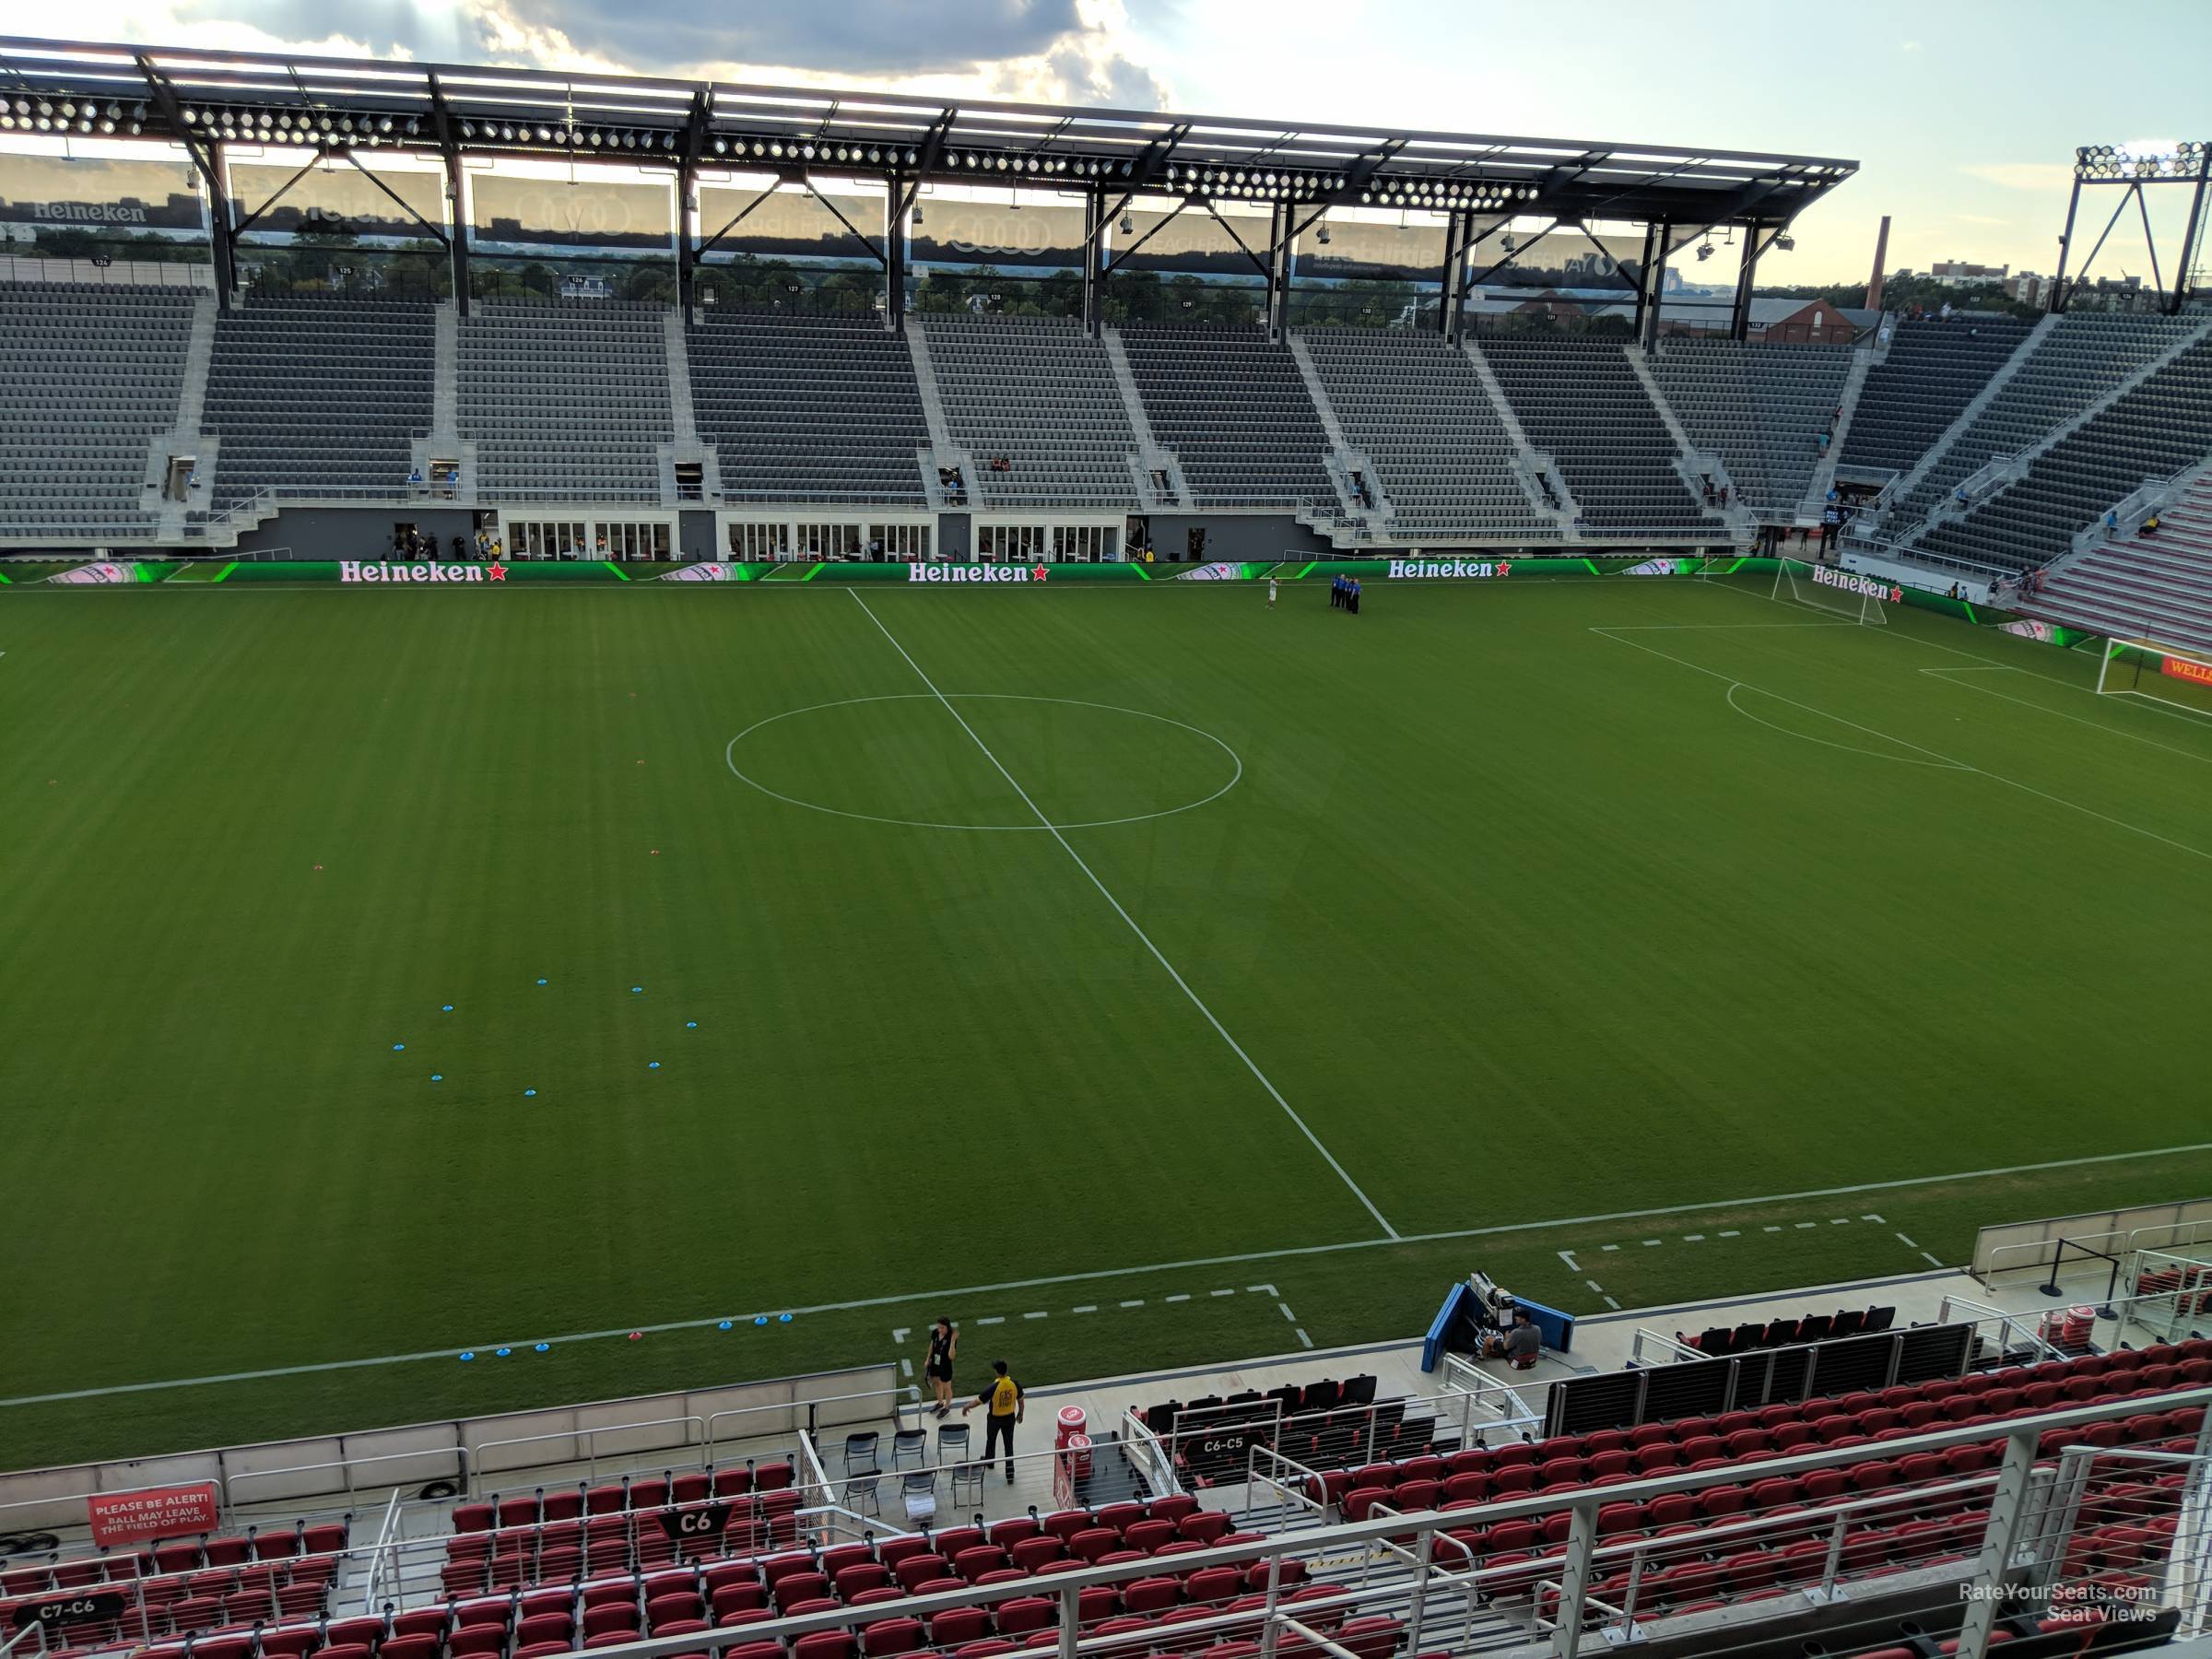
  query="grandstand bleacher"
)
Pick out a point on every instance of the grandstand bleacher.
point(2159, 427)
point(1762, 409)
point(1039, 395)
point(1416, 406)
point(1580, 400)
point(1234, 407)
point(94, 373)
point(565, 402)
point(2154, 585)
point(2079, 361)
point(801, 408)
point(1833, 1501)
point(319, 395)
point(1932, 370)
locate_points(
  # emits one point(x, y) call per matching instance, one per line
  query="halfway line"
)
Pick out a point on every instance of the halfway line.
point(1143, 938)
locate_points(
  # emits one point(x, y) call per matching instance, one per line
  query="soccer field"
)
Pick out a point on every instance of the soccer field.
point(391, 973)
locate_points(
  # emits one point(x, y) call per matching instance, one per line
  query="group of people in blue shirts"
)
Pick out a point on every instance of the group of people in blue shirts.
point(1343, 593)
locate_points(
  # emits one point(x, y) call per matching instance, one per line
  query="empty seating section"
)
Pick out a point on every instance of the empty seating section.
point(1719, 1340)
point(1234, 408)
point(1415, 405)
point(93, 374)
point(1760, 408)
point(565, 402)
point(319, 393)
point(1934, 370)
point(1907, 1526)
point(1328, 1424)
point(186, 1586)
point(1040, 395)
point(800, 407)
point(2159, 428)
point(2157, 586)
point(1581, 402)
point(2082, 359)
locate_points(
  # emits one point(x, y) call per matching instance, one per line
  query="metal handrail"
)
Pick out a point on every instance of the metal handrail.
point(2025, 1437)
point(385, 1538)
point(230, 1484)
point(2008, 1325)
point(474, 1455)
point(2114, 1242)
point(715, 1436)
point(1671, 1349)
point(2022, 1432)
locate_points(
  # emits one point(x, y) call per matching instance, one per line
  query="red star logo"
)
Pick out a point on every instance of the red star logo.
point(1037, 573)
point(1505, 567)
point(498, 572)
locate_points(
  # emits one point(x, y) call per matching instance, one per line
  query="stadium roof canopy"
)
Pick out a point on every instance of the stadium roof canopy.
point(349, 104)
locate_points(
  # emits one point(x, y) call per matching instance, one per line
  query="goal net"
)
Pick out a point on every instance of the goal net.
point(1845, 594)
point(2174, 676)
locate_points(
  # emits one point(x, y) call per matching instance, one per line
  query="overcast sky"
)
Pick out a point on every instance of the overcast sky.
point(1963, 116)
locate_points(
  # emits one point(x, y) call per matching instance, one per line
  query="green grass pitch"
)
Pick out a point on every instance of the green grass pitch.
point(1530, 901)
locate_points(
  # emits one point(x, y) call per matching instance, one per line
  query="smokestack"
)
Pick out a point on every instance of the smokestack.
point(1881, 257)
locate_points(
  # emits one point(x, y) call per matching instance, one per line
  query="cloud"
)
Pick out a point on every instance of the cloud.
point(1908, 45)
point(1084, 52)
point(2023, 175)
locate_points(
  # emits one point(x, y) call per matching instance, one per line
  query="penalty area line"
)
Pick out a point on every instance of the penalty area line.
point(1143, 938)
point(1286, 1253)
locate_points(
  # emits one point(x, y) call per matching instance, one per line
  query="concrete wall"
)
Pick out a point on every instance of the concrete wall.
point(956, 536)
point(353, 532)
point(464, 1449)
point(1235, 537)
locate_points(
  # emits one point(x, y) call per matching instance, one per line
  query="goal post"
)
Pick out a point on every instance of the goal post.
point(2177, 677)
point(1845, 594)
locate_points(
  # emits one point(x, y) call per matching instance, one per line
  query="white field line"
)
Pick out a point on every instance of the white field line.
point(2061, 713)
point(1143, 938)
point(1731, 683)
point(1094, 1274)
point(1947, 650)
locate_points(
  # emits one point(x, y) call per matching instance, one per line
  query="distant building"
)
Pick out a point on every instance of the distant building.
point(1960, 274)
point(2028, 287)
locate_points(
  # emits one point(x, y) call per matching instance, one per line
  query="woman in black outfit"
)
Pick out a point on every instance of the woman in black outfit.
point(943, 1340)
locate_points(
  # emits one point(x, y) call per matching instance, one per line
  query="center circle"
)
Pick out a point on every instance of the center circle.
point(1040, 752)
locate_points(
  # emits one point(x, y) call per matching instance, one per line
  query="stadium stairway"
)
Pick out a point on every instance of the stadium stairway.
point(1932, 371)
point(2065, 376)
point(2157, 586)
point(2158, 426)
point(1584, 402)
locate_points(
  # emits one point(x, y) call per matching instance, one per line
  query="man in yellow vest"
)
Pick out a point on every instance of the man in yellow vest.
point(1008, 1403)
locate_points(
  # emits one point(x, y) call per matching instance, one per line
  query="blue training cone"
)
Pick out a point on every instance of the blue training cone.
point(528, 1092)
point(543, 1346)
point(470, 1354)
point(397, 1046)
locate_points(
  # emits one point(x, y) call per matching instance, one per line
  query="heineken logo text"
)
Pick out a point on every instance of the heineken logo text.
point(1432, 569)
point(982, 572)
point(354, 569)
point(1865, 587)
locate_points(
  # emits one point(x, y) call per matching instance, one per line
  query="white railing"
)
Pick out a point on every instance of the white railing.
point(2028, 1497)
point(2000, 1517)
point(387, 1536)
point(1148, 1454)
point(1649, 1347)
point(2008, 1332)
point(2041, 1254)
point(2126, 514)
point(1485, 1404)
